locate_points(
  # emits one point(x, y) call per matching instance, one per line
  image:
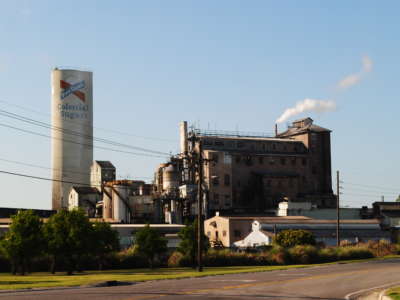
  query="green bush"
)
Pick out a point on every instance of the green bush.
point(293, 237)
point(327, 254)
point(304, 254)
point(279, 255)
point(353, 252)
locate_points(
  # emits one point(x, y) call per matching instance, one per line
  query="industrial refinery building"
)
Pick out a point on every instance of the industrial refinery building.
point(250, 173)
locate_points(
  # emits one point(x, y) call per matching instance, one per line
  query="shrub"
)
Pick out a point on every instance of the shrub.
point(353, 252)
point(279, 256)
point(303, 254)
point(327, 255)
point(293, 237)
point(380, 248)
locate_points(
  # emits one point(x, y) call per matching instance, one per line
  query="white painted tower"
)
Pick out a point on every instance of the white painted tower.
point(72, 132)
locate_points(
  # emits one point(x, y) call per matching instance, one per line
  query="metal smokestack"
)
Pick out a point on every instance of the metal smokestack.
point(183, 137)
point(276, 130)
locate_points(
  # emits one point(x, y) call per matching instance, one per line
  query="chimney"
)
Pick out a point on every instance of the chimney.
point(276, 130)
point(183, 137)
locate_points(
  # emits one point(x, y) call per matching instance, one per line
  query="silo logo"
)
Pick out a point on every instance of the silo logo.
point(72, 89)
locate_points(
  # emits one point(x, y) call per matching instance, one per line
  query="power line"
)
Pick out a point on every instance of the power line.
point(372, 186)
point(72, 132)
point(95, 127)
point(53, 169)
point(87, 145)
point(44, 178)
point(371, 191)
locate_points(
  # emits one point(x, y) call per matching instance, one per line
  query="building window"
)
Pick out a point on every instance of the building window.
point(283, 161)
point(261, 160)
point(216, 234)
point(290, 182)
point(227, 200)
point(227, 180)
point(237, 158)
point(314, 170)
point(224, 233)
point(249, 161)
point(304, 161)
point(293, 161)
point(216, 197)
point(215, 180)
point(271, 161)
point(263, 147)
point(273, 146)
point(214, 157)
point(237, 233)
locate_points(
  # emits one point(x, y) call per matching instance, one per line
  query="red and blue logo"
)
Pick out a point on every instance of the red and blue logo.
point(72, 89)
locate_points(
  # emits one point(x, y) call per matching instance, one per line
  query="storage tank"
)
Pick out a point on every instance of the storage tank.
point(170, 178)
point(120, 197)
point(107, 202)
point(72, 132)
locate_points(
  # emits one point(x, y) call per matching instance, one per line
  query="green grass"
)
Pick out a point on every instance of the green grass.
point(394, 293)
point(46, 280)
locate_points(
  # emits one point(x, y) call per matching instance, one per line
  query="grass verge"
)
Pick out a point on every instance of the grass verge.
point(394, 293)
point(47, 280)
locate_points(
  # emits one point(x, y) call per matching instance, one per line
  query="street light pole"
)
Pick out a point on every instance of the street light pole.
point(200, 208)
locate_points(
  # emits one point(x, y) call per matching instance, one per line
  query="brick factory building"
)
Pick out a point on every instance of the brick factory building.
point(251, 174)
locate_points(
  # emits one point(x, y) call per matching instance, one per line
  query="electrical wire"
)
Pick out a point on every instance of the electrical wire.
point(53, 169)
point(371, 186)
point(87, 145)
point(95, 127)
point(73, 133)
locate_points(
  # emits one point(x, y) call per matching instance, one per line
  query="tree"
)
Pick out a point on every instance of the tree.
point(188, 244)
point(293, 237)
point(105, 240)
point(23, 241)
point(398, 199)
point(150, 243)
point(68, 237)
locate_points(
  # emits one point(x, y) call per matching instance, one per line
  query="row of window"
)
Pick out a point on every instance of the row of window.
point(253, 146)
point(252, 160)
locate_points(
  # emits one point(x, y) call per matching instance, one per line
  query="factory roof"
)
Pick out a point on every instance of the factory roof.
point(298, 220)
point(85, 190)
point(105, 164)
point(293, 130)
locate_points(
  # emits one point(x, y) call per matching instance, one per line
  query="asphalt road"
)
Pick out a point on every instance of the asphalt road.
point(318, 283)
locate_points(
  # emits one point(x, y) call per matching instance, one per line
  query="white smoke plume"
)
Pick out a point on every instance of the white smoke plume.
point(307, 104)
point(353, 79)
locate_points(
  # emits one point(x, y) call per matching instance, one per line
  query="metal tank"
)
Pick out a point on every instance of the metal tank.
point(170, 178)
point(107, 202)
point(120, 200)
point(72, 132)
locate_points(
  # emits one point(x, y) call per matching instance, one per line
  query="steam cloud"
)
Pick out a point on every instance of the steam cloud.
point(354, 78)
point(307, 104)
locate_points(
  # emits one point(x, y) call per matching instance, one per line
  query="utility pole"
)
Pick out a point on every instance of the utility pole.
point(337, 209)
point(199, 208)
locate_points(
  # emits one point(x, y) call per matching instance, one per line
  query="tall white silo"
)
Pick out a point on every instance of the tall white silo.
point(72, 132)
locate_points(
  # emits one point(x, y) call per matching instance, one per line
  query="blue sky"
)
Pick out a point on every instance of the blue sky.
point(222, 64)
